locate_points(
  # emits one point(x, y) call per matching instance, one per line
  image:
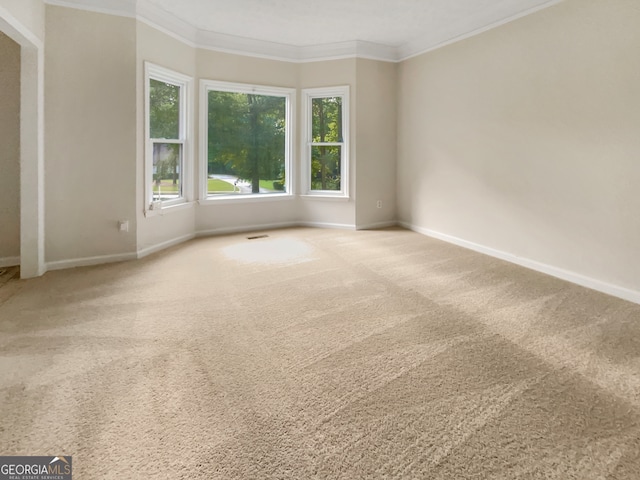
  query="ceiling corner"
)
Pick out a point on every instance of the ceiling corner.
point(123, 8)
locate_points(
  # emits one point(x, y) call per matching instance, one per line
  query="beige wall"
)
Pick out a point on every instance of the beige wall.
point(90, 134)
point(376, 142)
point(226, 67)
point(9, 151)
point(30, 13)
point(525, 139)
point(331, 212)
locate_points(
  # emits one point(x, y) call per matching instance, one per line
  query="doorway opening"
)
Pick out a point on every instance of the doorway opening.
point(30, 184)
point(10, 159)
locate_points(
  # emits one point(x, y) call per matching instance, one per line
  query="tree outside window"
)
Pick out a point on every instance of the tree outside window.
point(247, 134)
point(326, 152)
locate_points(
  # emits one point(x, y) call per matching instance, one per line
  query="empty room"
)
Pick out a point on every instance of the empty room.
point(349, 239)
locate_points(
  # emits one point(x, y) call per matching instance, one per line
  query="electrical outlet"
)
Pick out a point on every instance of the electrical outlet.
point(123, 225)
point(379, 204)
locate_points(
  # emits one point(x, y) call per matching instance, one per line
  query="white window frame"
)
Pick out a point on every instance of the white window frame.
point(289, 94)
point(185, 83)
point(308, 95)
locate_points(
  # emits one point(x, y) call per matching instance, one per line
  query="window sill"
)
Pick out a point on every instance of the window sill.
point(331, 198)
point(168, 209)
point(268, 197)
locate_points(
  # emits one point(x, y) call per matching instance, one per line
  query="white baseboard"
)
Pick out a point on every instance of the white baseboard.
point(374, 226)
point(339, 226)
point(244, 228)
point(98, 260)
point(161, 246)
point(87, 261)
point(578, 279)
point(121, 257)
point(9, 261)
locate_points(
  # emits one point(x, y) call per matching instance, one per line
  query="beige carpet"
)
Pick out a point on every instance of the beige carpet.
point(320, 354)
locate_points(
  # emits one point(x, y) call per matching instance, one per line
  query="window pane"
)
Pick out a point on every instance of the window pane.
point(246, 143)
point(325, 167)
point(326, 119)
point(164, 111)
point(167, 171)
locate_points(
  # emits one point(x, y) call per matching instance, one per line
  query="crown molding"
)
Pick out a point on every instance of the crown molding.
point(356, 48)
point(150, 14)
point(290, 53)
point(246, 46)
point(164, 21)
point(169, 24)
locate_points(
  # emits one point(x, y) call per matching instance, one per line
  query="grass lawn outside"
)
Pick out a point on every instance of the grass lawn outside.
point(214, 185)
point(268, 184)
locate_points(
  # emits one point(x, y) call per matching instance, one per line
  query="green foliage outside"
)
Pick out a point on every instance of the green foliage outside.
point(325, 167)
point(164, 123)
point(164, 102)
point(246, 137)
point(326, 128)
point(272, 185)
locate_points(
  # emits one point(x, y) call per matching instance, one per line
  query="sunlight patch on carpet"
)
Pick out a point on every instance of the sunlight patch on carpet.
point(270, 251)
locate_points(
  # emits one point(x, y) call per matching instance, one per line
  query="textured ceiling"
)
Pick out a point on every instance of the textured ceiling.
point(319, 22)
point(310, 30)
